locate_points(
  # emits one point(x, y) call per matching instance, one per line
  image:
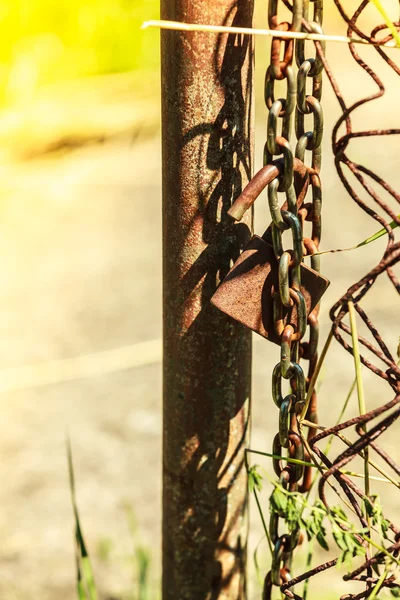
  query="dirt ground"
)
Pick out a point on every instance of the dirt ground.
point(80, 258)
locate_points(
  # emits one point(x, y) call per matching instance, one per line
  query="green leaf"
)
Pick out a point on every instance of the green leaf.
point(374, 510)
point(341, 558)
point(347, 560)
point(338, 514)
point(313, 524)
point(395, 591)
point(359, 550)
point(339, 537)
point(369, 508)
point(294, 510)
point(255, 479)
point(385, 527)
point(278, 501)
point(321, 540)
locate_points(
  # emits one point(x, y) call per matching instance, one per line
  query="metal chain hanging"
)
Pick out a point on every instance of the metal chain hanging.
point(311, 68)
point(368, 572)
point(273, 292)
point(297, 103)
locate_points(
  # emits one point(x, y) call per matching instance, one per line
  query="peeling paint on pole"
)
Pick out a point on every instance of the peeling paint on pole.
point(207, 161)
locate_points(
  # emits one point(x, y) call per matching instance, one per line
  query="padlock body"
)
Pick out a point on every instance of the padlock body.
point(246, 294)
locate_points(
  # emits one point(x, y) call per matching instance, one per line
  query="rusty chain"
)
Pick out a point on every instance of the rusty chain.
point(389, 369)
point(282, 311)
point(293, 215)
point(289, 368)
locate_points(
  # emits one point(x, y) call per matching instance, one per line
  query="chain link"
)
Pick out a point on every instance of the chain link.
point(311, 68)
point(289, 114)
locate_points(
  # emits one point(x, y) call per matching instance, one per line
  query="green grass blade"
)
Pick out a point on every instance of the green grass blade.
point(266, 531)
point(378, 234)
point(259, 576)
point(370, 239)
point(361, 401)
point(330, 441)
point(86, 588)
point(81, 591)
point(379, 584)
point(308, 567)
point(295, 461)
point(304, 463)
point(388, 21)
point(340, 417)
point(360, 388)
point(143, 560)
point(315, 375)
point(88, 576)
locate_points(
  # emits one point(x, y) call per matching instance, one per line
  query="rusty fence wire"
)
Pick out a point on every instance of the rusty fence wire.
point(370, 426)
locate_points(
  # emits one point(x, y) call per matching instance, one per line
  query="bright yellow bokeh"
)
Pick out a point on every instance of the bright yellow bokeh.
point(42, 42)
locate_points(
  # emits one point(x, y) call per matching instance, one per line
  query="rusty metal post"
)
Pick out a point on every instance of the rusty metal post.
point(207, 160)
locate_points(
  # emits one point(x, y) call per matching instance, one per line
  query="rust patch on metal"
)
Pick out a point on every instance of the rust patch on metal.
point(247, 292)
point(207, 86)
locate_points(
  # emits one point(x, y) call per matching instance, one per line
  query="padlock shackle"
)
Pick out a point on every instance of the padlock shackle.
point(254, 188)
point(259, 182)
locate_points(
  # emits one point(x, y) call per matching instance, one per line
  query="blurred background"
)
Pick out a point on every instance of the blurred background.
point(80, 293)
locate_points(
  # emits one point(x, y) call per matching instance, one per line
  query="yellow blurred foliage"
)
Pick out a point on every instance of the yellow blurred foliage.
point(42, 42)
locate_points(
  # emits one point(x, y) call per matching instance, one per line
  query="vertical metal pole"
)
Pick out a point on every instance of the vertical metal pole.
point(207, 160)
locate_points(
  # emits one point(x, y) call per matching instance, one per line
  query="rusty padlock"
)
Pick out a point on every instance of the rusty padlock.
point(247, 292)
